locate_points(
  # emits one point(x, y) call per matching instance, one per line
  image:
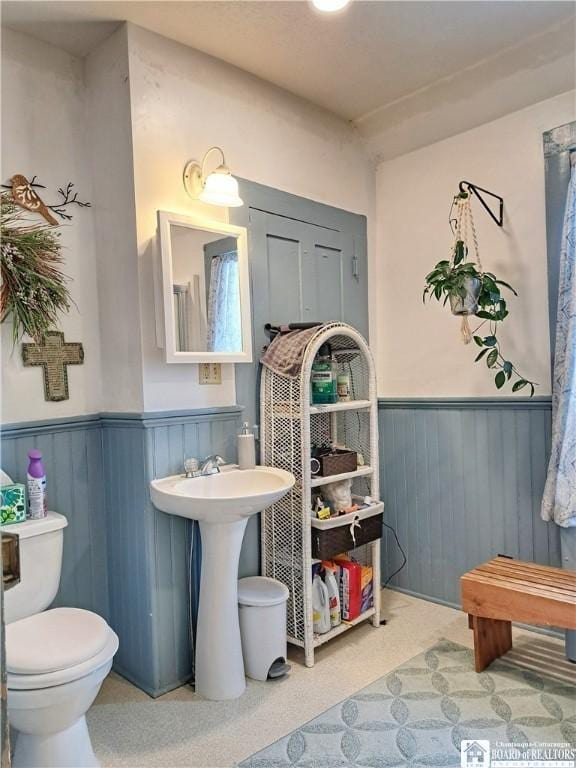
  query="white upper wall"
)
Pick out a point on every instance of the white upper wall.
point(109, 126)
point(151, 104)
point(184, 102)
point(420, 353)
point(44, 133)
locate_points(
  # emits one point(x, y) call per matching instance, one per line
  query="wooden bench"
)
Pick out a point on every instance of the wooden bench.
point(504, 590)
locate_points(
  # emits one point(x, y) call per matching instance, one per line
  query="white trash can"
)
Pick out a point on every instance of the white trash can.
point(262, 610)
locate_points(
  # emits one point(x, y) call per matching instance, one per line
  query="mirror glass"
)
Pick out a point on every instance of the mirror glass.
point(205, 290)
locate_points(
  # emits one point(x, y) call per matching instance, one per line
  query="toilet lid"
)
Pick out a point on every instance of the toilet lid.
point(54, 640)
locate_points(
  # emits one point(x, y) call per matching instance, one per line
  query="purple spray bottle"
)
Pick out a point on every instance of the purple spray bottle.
point(37, 502)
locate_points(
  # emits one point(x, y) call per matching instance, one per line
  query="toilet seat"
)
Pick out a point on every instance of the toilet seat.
point(56, 647)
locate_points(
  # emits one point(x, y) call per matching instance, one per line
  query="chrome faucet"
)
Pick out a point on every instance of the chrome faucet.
point(208, 466)
point(211, 464)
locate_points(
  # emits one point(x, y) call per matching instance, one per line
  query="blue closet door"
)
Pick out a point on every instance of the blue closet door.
point(304, 272)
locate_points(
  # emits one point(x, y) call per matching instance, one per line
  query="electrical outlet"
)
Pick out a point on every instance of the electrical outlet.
point(210, 373)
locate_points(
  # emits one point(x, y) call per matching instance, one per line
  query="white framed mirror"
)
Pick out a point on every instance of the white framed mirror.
point(205, 290)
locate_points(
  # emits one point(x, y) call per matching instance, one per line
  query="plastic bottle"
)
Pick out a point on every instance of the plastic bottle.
point(343, 384)
point(333, 595)
point(36, 482)
point(246, 448)
point(323, 377)
point(320, 606)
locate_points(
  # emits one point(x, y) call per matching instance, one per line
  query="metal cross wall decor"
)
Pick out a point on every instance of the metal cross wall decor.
point(54, 354)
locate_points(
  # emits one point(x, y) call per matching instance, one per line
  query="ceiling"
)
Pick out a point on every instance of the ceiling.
point(354, 63)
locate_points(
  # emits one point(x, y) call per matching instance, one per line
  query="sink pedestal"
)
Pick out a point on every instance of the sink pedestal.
point(219, 662)
point(222, 503)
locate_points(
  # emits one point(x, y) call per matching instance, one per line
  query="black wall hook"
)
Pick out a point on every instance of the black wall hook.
point(467, 187)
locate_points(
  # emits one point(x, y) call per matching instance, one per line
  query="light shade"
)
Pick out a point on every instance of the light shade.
point(329, 6)
point(221, 188)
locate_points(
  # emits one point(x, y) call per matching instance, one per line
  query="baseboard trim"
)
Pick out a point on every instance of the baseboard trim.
point(154, 693)
point(551, 632)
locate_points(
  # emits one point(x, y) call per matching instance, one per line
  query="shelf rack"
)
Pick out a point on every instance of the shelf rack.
point(290, 426)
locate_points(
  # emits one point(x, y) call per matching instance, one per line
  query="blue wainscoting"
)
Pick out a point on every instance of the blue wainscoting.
point(147, 549)
point(72, 451)
point(462, 482)
point(122, 558)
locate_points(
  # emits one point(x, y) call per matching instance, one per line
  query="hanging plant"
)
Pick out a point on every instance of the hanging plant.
point(34, 290)
point(472, 291)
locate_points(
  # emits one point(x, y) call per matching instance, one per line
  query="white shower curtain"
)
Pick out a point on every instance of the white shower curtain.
point(224, 326)
point(559, 502)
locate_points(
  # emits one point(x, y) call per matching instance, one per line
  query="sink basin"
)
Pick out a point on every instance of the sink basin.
point(222, 503)
point(231, 494)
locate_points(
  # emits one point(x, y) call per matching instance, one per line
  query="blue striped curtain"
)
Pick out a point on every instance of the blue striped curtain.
point(559, 501)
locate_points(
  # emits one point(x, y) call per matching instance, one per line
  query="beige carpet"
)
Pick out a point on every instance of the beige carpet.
point(181, 730)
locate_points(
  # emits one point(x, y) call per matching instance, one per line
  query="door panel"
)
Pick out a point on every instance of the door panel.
point(328, 288)
point(281, 291)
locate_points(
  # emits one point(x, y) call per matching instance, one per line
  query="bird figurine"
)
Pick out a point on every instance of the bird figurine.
point(27, 197)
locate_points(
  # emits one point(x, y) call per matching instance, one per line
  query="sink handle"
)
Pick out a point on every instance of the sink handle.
point(191, 467)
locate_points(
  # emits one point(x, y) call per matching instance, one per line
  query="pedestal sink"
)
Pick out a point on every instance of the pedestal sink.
point(222, 503)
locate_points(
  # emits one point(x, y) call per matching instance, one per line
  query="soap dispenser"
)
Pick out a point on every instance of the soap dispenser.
point(246, 448)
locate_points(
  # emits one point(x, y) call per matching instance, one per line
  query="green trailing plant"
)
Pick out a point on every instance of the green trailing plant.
point(34, 290)
point(455, 279)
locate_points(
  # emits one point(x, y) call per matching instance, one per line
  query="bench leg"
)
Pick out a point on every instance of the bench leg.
point(492, 638)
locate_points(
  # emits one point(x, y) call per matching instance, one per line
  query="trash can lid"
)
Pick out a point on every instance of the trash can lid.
point(261, 591)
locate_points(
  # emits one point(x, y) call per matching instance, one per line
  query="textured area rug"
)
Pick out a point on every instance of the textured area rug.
point(418, 714)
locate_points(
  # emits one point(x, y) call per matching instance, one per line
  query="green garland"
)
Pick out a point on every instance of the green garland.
point(34, 290)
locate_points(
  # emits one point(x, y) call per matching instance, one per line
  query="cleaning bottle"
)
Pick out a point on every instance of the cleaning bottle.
point(320, 606)
point(36, 481)
point(246, 448)
point(333, 593)
point(323, 377)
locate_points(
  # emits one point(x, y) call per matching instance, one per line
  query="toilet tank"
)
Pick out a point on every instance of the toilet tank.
point(41, 544)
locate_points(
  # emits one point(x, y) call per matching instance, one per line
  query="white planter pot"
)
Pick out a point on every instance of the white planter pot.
point(467, 305)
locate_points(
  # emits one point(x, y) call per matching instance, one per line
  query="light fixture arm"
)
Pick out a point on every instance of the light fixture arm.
point(203, 167)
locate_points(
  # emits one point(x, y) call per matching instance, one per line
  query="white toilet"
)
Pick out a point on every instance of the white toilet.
point(56, 660)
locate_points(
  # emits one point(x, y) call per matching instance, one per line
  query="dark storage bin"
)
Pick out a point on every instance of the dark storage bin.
point(329, 542)
point(337, 463)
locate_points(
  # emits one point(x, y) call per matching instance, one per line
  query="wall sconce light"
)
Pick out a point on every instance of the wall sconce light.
point(330, 6)
point(218, 188)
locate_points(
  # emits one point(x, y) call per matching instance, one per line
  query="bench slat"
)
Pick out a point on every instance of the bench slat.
point(532, 580)
point(546, 571)
point(555, 574)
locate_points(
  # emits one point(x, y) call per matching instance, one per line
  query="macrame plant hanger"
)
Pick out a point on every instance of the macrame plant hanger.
point(464, 228)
